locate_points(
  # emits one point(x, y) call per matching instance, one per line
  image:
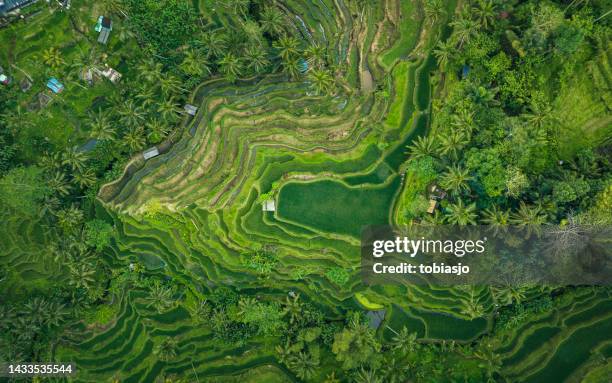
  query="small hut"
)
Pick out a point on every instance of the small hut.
point(150, 153)
point(190, 109)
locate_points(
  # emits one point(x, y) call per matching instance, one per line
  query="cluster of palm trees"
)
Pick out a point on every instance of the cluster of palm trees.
point(471, 20)
point(141, 116)
point(457, 180)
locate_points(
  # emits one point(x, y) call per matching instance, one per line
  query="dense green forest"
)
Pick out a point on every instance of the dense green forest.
point(339, 112)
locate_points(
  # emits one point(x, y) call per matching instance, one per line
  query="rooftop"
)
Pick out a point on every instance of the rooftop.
point(10, 5)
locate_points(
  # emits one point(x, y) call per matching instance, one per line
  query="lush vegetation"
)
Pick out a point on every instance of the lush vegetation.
point(343, 113)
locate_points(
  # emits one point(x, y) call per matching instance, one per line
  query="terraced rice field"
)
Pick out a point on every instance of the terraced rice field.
point(194, 210)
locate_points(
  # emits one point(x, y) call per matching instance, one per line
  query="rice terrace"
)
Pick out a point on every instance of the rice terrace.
point(184, 185)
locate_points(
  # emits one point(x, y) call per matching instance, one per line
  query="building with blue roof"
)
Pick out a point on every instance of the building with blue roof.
point(55, 85)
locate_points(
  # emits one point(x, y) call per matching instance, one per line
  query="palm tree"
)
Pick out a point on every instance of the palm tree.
point(168, 110)
point(322, 81)
point(134, 139)
point(59, 184)
point(157, 130)
point(146, 95)
point(51, 161)
point(331, 378)
point(293, 309)
point(75, 158)
point(160, 297)
point(456, 180)
point(315, 56)
point(304, 364)
point(131, 114)
point(167, 349)
point(444, 53)
point(528, 215)
point(284, 352)
point(485, 13)
point(434, 10)
point(81, 275)
point(169, 83)
point(195, 65)
point(272, 21)
point(464, 29)
point(52, 58)
point(451, 144)
point(367, 376)
point(69, 218)
point(472, 308)
point(496, 217)
point(463, 120)
point(215, 43)
point(256, 58)
point(100, 126)
point(288, 47)
point(230, 66)
point(405, 341)
point(491, 361)
point(150, 71)
point(85, 178)
point(292, 68)
point(460, 214)
point(423, 146)
point(116, 7)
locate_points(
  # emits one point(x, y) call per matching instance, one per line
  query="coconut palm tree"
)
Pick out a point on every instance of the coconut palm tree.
point(463, 120)
point(160, 297)
point(434, 10)
point(130, 114)
point(464, 29)
point(460, 214)
point(85, 178)
point(69, 218)
point(145, 95)
point(169, 83)
point(451, 144)
point(167, 349)
point(168, 110)
point(472, 308)
point(405, 341)
point(367, 376)
point(150, 71)
point(491, 361)
point(230, 66)
point(157, 130)
point(52, 58)
point(134, 139)
point(272, 21)
point(422, 146)
point(100, 126)
point(322, 81)
point(195, 65)
point(256, 58)
point(527, 215)
point(284, 352)
point(456, 180)
point(51, 161)
point(444, 52)
point(288, 47)
point(59, 184)
point(496, 217)
point(484, 12)
point(116, 7)
point(304, 364)
point(292, 68)
point(293, 309)
point(75, 158)
point(215, 43)
point(315, 56)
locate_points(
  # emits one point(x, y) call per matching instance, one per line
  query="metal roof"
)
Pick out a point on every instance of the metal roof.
point(9, 5)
